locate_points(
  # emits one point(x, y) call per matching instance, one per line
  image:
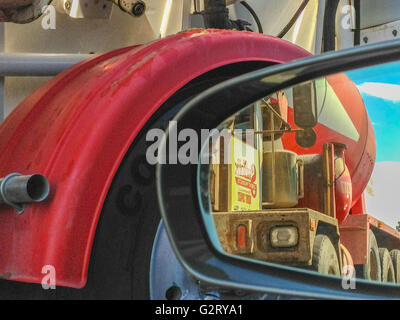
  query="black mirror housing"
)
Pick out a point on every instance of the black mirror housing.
point(185, 208)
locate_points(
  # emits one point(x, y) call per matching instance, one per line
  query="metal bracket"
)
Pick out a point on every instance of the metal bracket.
point(89, 9)
point(384, 32)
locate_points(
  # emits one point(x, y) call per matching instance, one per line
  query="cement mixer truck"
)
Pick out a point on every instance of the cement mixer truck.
point(309, 211)
point(77, 194)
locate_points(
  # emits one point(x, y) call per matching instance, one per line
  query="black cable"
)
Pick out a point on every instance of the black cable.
point(329, 31)
point(357, 6)
point(294, 19)
point(254, 14)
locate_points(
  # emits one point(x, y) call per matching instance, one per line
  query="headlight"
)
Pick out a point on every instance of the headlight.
point(284, 237)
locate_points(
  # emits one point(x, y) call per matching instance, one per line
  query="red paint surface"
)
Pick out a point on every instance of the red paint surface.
point(354, 236)
point(359, 207)
point(76, 129)
point(343, 196)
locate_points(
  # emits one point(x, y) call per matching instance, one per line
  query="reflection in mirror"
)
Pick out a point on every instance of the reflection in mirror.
point(305, 105)
point(289, 181)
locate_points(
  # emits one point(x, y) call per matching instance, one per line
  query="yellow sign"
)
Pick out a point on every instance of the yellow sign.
point(245, 177)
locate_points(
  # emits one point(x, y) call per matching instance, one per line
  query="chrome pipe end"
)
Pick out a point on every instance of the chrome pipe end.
point(19, 190)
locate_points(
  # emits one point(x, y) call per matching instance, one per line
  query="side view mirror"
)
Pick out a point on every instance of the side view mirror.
point(280, 208)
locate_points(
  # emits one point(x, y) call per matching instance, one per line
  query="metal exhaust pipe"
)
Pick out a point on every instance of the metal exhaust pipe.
point(18, 190)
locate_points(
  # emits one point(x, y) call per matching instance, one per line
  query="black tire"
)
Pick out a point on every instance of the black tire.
point(395, 255)
point(372, 270)
point(325, 260)
point(388, 274)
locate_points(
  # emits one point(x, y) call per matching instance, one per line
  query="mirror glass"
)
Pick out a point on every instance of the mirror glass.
point(309, 176)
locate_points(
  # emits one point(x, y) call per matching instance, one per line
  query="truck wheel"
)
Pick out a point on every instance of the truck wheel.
point(395, 255)
point(325, 260)
point(372, 270)
point(386, 266)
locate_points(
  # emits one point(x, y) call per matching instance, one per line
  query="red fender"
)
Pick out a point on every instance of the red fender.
point(77, 128)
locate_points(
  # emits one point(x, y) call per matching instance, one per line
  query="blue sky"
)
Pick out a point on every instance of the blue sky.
point(380, 89)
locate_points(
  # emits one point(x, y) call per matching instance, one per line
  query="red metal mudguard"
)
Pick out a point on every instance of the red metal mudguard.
point(76, 129)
